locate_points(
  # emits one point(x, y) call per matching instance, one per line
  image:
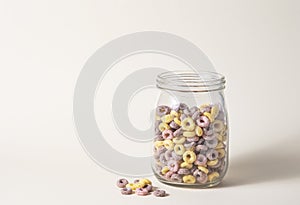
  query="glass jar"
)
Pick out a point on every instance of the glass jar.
point(191, 129)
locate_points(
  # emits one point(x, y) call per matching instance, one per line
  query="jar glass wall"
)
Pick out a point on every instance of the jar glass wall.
point(191, 129)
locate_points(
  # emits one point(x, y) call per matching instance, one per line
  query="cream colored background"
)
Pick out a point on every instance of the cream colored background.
point(44, 44)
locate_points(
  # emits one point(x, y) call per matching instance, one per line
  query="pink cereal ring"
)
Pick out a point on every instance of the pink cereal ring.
point(203, 121)
point(169, 174)
point(167, 134)
point(141, 192)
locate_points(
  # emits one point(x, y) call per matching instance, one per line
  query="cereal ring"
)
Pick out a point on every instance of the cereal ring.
point(158, 144)
point(209, 137)
point(166, 118)
point(179, 140)
point(219, 137)
point(146, 181)
point(173, 165)
point(201, 160)
point(189, 134)
point(199, 131)
point(140, 184)
point(218, 125)
point(192, 139)
point(158, 138)
point(202, 179)
point(211, 143)
point(203, 121)
point(217, 165)
point(201, 147)
point(189, 179)
point(194, 109)
point(212, 162)
point(186, 165)
point(178, 132)
point(176, 178)
point(126, 191)
point(169, 144)
point(189, 145)
point(148, 187)
point(182, 117)
point(220, 145)
point(163, 126)
point(208, 131)
point(212, 154)
point(168, 155)
point(163, 159)
point(214, 111)
point(196, 115)
point(189, 157)
point(157, 118)
point(209, 116)
point(141, 192)
point(187, 112)
point(159, 193)
point(167, 134)
point(204, 108)
point(174, 114)
point(162, 110)
point(213, 176)
point(183, 171)
point(121, 183)
point(164, 170)
point(221, 153)
point(188, 124)
point(136, 181)
point(203, 169)
point(169, 174)
point(173, 125)
point(177, 121)
point(175, 156)
point(131, 186)
point(179, 149)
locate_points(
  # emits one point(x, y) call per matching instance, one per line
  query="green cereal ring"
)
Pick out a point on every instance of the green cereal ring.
point(179, 149)
point(189, 134)
point(188, 124)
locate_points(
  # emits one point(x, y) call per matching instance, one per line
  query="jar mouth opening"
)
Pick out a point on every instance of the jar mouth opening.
point(190, 81)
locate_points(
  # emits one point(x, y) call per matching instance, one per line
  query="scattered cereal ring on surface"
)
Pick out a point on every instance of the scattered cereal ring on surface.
point(189, 133)
point(203, 121)
point(166, 118)
point(163, 126)
point(212, 162)
point(188, 124)
point(167, 134)
point(186, 165)
point(189, 179)
point(141, 192)
point(221, 153)
point(203, 169)
point(189, 157)
point(179, 149)
point(218, 125)
point(173, 165)
point(212, 154)
point(199, 131)
point(164, 170)
point(159, 193)
point(179, 140)
point(201, 159)
point(169, 144)
point(126, 191)
point(132, 186)
point(213, 176)
point(162, 110)
point(148, 187)
point(121, 183)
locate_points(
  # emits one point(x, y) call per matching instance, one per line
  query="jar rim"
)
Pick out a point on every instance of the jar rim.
point(190, 81)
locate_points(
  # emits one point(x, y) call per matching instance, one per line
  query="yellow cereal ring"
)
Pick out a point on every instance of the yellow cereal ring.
point(189, 157)
point(218, 125)
point(188, 124)
point(179, 140)
point(199, 131)
point(203, 169)
point(219, 137)
point(174, 114)
point(221, 153)
point(163, 126)
point(169, 144)
point(213, 176)
point(140, 184)
point(189, 179)
point(214, 111)
point(212, 162)
point(186, 165)
point(166, 118)
point(209, 116)
point(158, 144)
point(201, 107)
point(164, 170)
point(220, 145)
point(189, 134)
point(131, 186)
point(177, 121)
point(146, 181)
point(157, 117)
point(179, 149)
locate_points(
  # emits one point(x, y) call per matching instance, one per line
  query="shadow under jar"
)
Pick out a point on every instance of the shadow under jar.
point(191, 129)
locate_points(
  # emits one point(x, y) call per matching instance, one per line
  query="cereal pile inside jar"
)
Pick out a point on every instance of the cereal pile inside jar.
point(190, 143)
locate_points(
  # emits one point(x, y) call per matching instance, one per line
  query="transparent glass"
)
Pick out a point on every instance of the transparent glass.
point(191, 129)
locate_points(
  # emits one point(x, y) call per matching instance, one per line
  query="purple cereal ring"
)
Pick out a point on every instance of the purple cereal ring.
point(202, 178)
point(200, 160)
point(136, 181)
point(194, 109)
point(196, 115)
point(212, 154)
point(203, 121)
point(176, 157)
point(159, 193)
point(121, 183)
point(192, 139)
point(176, 178)
point(183, 171)
point(182, 106)
point(126, 191)
point(141, 192)
point(189, 144)
point(162, 110)
point(163, 159)
point(211, 143)
point(173, 125)
point(148, 187)
point(167, 134)
point(158, 138)
point(209, 137)
point(173, 165)
point(187, 112)
point(178, 132)
point(208, 131)
point(168, 155)
point(157, 131)
point(201, 147)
